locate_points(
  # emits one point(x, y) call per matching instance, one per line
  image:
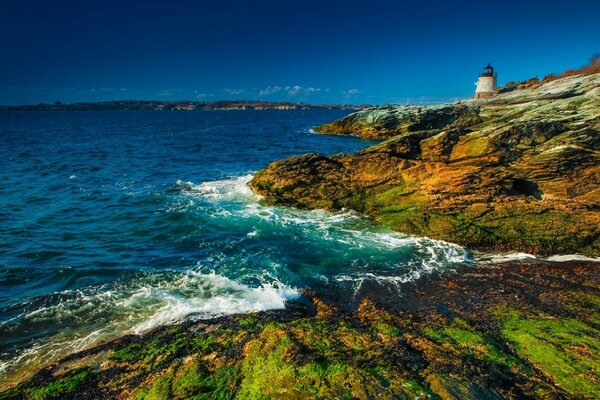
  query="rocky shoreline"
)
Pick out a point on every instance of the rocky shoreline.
point(519, 172)
point(518, 330)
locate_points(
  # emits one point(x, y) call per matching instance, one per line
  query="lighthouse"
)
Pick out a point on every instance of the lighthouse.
point(486, 85)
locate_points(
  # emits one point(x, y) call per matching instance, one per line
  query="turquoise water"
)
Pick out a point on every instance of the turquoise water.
point(116, 222)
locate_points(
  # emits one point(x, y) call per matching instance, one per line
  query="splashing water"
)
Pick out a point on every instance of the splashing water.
point(115, 223)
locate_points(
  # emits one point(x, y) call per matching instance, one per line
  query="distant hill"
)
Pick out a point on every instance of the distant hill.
point(143, 105)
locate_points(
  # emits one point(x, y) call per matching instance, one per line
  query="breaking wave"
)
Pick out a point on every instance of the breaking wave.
point(91, 316)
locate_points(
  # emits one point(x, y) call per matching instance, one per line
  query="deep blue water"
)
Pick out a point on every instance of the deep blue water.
point(115, 222)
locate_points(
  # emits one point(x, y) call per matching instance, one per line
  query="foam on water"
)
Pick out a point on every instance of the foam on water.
point(136, 307)
point(394, 257)
point(235, 188)
point(507, 257)
point(572, 257)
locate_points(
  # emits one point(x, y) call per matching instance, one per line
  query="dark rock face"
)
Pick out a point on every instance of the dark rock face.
point(519, 172)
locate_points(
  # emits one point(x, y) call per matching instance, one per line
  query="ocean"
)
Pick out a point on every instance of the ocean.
point(117, 222)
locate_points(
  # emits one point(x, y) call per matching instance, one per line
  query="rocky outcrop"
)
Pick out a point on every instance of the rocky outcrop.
point(517, 172)
point(386, 122)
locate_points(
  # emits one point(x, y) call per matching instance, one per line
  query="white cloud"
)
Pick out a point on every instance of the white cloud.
point(351, 92)
point(202, 95)
point(234, 92)
point(165, 93)
point(270, 90)
point(291, 91)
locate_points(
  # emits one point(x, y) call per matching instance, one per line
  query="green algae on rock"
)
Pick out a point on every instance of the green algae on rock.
point(517, 172)
point(514, 332)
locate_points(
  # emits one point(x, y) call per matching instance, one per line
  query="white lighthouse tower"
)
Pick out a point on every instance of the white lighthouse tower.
point(486, 85)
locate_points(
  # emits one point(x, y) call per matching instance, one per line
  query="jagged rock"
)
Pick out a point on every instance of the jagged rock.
point(518, 172)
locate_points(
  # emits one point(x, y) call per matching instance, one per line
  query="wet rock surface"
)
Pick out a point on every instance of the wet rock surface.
point(517, 172)
point(504, 331)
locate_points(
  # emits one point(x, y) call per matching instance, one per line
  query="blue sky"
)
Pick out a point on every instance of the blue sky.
point(311, 51)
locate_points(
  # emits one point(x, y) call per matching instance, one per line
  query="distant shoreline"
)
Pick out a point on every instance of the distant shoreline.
point(151, 105)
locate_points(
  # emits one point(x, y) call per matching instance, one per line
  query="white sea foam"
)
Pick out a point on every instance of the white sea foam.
point(216, 295)
point(503, 257)
point(572, 257)
point(344, 227)
point(226, 189)
point(155, 300)
point(429, 256)
point(507, 257)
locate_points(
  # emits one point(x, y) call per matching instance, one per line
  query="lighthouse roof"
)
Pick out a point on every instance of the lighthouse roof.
point(487, 71)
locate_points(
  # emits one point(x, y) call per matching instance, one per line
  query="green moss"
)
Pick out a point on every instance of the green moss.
point(388, 330)
point(202, 343)
point(265, 368)
point(159, 390)
point(67, 384)
point(527, 226)
point(247, 321)
point(159, 349)
point(585, 305)
point(229, 338)
point(9, 394)
point(353, 339)
point(396, 195)
point(127, 354)
point(342, 380)
point(460, 335)
point(273, 368)
point(188, 382)
point(193, 383)
point(564, 349)
point(317, 336)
